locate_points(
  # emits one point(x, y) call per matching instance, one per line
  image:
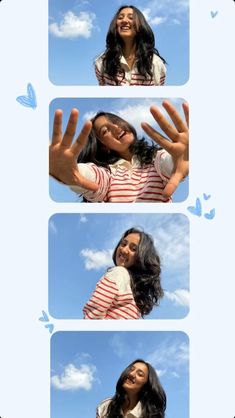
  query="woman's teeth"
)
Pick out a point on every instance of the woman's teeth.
point(121, 134)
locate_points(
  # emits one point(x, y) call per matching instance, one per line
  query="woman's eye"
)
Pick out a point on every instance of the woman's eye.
point(104, 131)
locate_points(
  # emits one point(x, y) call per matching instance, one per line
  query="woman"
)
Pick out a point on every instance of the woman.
point(139, 394)
point(132, 288)
point(115, 166)
point(130, 57)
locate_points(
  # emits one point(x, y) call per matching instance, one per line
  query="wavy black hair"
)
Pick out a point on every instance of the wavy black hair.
point(152, 395)
point(144, 44)
point(95, 152)
point(145, 273)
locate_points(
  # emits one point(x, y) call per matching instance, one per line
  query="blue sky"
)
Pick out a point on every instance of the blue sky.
point(81, 376)
point(80, 249)
point(77, 33)
point(133, 110)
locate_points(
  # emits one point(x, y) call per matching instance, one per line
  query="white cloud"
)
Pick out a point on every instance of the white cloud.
point(73, 26)
point(74, 378)
point(179, 297)
point(171, 357)
point(153, 20)
point(137, 112)
point(161, 372)
point(174, 374)
point(94, 260)
point(172, 241)
point(118, 345)
point(83, 218)
point(162, 11)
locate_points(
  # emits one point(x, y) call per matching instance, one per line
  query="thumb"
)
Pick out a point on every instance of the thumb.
point(172, 184)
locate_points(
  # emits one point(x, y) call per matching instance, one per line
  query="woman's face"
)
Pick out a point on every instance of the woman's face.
point(126, 253)
point(126, 24)
point(136, 378)
point(114, 136)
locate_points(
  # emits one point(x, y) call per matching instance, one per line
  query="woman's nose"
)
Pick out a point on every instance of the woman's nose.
point(116, 130)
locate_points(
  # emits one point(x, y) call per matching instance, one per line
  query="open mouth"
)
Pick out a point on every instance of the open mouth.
point(121, 134)
point(130, 379)
point(122, 258)
point(125, 27)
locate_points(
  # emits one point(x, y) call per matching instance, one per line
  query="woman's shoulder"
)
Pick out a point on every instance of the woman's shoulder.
point(118, 274)
point(158, 61)
point(99, 59)
point(102, 407)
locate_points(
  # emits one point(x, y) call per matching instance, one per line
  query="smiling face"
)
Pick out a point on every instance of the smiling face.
point(115, 136)
point(136, 378)
point(125, 24)
point(126, 253)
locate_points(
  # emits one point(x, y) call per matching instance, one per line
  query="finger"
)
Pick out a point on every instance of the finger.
point(175, 116)
point(164, 124)
point(157, 137)
point(186, 112)
point(71, 128)
point(57, 127)
point(81, 140)
point(172, 184)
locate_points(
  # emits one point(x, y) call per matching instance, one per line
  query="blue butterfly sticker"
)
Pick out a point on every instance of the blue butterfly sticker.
point(28, 100)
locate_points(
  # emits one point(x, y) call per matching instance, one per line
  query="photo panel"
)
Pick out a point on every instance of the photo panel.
point(125, 163)
point(78, 30)
point(88, 280)
point(85, 368)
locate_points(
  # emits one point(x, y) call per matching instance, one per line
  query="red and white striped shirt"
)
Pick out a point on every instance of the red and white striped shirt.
point(113, 297)
point(128, 182)
point(132, 77)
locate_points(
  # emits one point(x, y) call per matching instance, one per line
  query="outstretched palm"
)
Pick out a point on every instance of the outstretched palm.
point(63, 153)
point(178, 147)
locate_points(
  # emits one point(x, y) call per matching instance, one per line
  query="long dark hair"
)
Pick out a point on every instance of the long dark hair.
point(152, 395)
point(144, 43)
point(95, 152)
point(145, 273)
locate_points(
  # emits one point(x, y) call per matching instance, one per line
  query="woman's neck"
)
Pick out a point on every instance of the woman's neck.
point(130, 403)
point(127, 155)
point(129, 52)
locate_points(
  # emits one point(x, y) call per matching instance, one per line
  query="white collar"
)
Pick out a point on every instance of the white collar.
point(126, 164)
point(135, 412)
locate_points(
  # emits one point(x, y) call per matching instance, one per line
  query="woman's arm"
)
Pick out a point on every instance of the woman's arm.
point(101, 299)
point(176, 143)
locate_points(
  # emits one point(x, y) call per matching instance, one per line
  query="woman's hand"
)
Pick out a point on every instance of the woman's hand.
point(178, 147)
point(63, 153)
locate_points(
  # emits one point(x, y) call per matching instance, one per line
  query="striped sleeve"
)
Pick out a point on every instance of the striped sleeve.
point(162, 74)
point(99, 175)
point(101, 299)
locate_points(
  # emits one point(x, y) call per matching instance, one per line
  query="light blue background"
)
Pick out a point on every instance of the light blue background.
point(26, 209)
